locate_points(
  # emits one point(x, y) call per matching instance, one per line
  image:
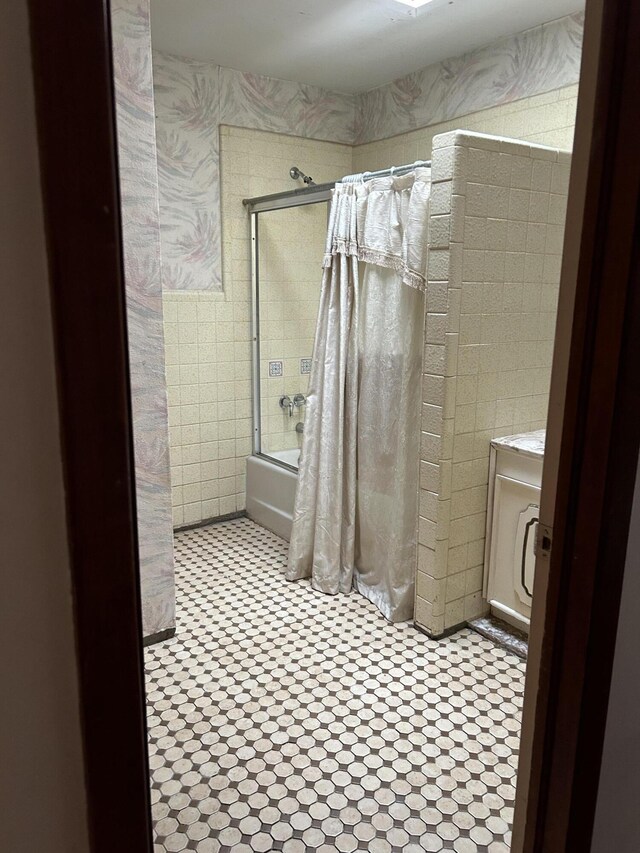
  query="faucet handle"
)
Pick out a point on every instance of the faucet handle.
point(299, 400)
point(286, 404)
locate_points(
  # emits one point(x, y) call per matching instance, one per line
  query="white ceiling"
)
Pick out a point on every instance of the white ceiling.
point(344, 45)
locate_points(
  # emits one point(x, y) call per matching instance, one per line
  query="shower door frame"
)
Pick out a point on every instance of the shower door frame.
point(320, 194)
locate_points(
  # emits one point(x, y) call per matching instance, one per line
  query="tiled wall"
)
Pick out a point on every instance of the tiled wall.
point(208, 371)
point(208, 335)
point(291, 246)
point(255, 163)
point(204, 116)
point(546, 119)
point(495, 244)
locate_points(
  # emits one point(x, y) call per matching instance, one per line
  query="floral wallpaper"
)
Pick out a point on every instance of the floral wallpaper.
point(143, 282)
point(188, 115)
point(193, 98)
point(529, 63)
point(263, 103)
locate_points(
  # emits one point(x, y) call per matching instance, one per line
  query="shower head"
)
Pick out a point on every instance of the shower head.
point(296, 173)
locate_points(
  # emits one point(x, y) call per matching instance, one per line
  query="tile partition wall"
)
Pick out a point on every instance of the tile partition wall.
point(208, 333)
point(495, 244)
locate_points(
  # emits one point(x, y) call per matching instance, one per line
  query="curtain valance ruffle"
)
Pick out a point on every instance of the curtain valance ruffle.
point(383, 221)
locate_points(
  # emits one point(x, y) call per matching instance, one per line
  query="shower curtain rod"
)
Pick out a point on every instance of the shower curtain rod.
point(321, 192)
point(391, 170)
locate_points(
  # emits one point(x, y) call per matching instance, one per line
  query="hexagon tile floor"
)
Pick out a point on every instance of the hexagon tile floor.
point(284, 719)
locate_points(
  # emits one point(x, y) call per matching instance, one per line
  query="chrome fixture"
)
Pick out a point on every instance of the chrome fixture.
point(299, 427)
point(286, 404)
point(296, 174)
point(314, 193)
point(392, 171)
point(299, 401)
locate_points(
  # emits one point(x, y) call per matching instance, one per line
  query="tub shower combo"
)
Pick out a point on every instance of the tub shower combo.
point(341, 359)
point(287, 235)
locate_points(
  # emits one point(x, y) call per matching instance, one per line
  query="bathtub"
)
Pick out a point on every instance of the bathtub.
point(271, 490)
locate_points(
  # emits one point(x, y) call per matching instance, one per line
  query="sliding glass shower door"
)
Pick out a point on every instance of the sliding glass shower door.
point(287, 250)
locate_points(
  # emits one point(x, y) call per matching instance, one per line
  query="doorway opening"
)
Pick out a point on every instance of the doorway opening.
point(281, 717)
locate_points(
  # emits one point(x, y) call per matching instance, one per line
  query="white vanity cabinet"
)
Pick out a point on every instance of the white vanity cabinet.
point(515, 475)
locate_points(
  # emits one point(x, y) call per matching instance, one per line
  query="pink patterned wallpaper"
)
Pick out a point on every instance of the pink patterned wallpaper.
point(538, 60)
point(143, 281)
point(193, 98)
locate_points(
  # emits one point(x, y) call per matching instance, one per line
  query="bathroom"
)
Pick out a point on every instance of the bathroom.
point(281, 717)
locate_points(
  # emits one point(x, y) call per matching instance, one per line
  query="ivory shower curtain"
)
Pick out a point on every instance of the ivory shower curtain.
point(355, 516)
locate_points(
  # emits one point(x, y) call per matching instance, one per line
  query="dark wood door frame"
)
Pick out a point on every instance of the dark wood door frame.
point(595, 419)
point(73, 78)
point(596, 468)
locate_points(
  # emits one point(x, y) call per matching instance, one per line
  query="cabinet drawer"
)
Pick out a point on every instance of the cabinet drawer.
point(517, 466)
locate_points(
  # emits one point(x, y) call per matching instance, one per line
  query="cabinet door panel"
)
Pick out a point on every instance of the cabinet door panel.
point(515, 513)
